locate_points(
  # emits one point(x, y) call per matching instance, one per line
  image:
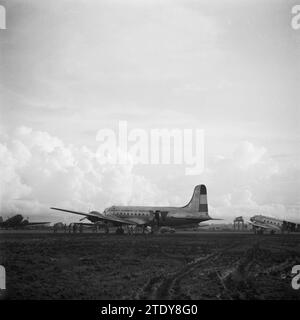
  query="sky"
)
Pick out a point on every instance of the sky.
point(71, 68)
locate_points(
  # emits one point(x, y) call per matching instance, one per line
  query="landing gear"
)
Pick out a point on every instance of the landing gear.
point(120, 230)
point(131, 229)
point(96, 228)
point(258, 230)
point(148, 230)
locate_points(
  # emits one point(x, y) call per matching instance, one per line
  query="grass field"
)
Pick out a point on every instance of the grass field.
point(168, 266)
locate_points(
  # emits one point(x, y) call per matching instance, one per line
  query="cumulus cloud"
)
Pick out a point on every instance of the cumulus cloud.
point(251, 182)
point(246, 155)
point(38, 170)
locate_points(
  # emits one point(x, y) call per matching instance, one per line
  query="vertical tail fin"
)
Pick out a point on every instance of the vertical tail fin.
point(198, 203)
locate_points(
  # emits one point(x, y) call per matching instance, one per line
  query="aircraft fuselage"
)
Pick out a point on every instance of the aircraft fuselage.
point(194, 212)
point(164, 216)
point(260, 222)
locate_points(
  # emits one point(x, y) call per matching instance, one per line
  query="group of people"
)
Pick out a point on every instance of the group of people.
point(72, 228)
point(78, 228)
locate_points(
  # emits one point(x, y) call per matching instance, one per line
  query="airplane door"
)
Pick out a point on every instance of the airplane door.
point(157, 217)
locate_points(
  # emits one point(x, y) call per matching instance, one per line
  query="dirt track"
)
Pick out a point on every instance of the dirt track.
point(177, 266)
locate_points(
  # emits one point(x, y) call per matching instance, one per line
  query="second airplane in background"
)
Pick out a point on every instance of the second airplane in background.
point(262, 223)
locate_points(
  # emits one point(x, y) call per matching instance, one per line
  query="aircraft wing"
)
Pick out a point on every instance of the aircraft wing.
point(100, 217)
point(36, 223)
point(90, 214)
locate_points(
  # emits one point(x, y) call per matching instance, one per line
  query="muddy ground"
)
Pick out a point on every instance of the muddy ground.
point(168, 266)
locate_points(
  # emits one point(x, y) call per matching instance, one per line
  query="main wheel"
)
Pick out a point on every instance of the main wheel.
point(120, 231)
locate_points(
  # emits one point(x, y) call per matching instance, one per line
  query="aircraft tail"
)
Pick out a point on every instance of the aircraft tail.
point(198, 203)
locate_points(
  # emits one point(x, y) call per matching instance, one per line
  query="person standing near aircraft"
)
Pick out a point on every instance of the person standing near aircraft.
point(95, 228)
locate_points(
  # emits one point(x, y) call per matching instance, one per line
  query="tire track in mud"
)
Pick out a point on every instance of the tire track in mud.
point(236, 274)
point(167, 286)
point(235, 278)
point(161, 286)
point(171, 283)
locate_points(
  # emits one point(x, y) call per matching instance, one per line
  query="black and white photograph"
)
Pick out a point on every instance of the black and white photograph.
point(149, 150)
